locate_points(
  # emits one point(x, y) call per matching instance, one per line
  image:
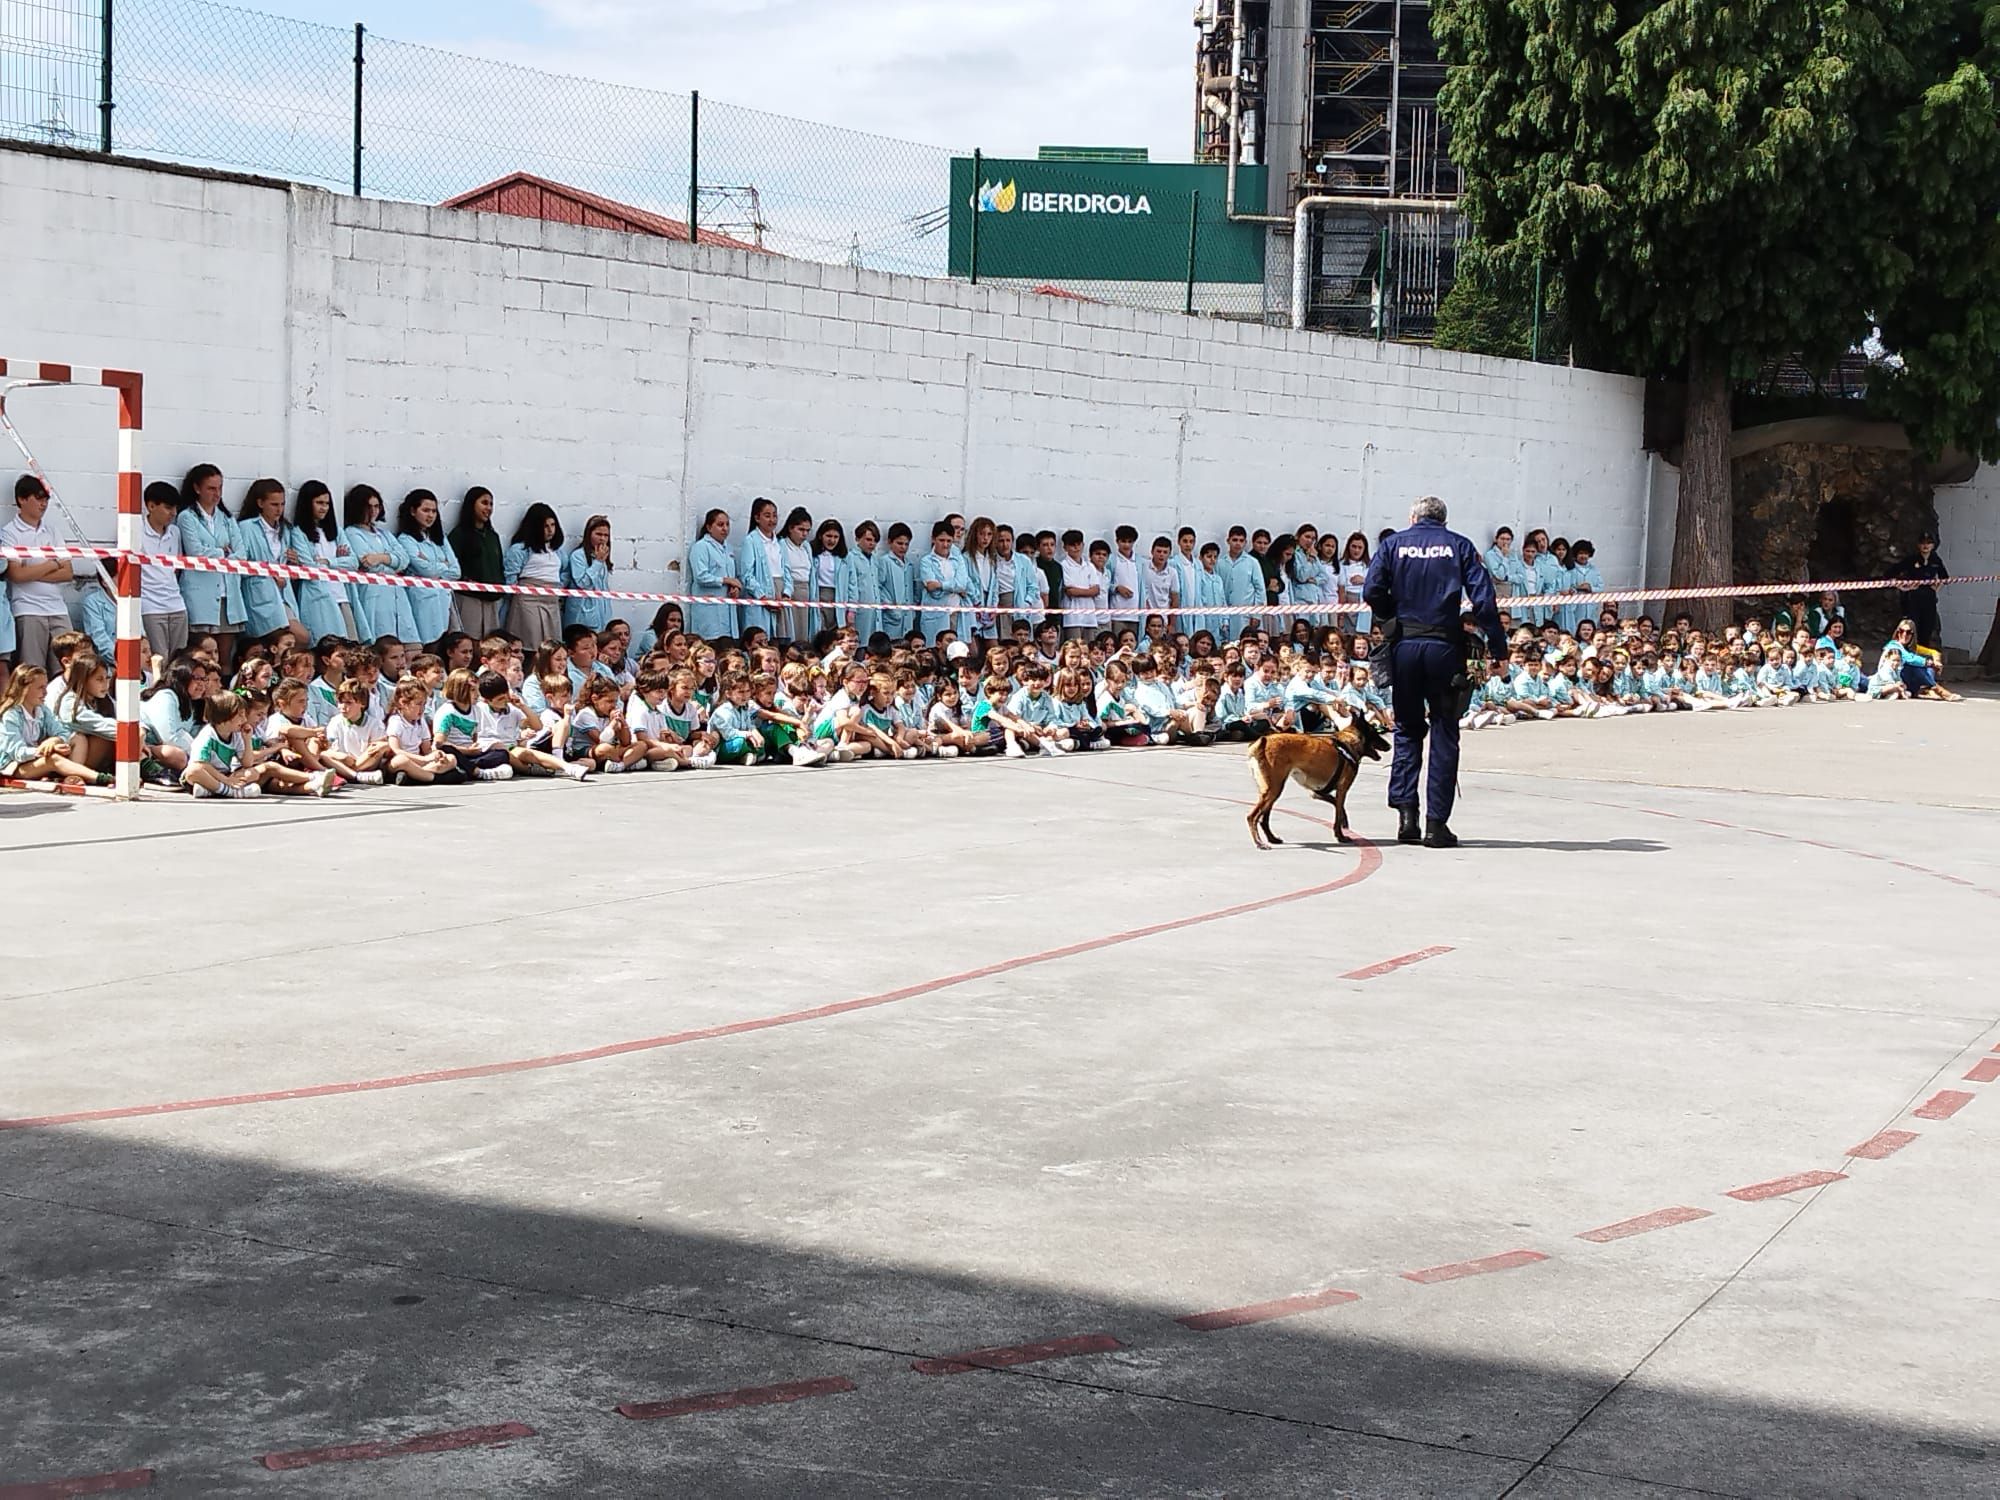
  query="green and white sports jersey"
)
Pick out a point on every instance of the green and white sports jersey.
point(224, 752)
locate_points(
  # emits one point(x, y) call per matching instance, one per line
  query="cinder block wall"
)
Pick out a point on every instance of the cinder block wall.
point(289, 331)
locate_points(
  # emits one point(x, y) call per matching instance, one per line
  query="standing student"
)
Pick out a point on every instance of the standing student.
point(1123, 590)
point(1048, 562)
point(379, 609)
point(760, 564)
point(1082, 589)
point(269, 604)
point(1583, 578)
point(1924, 570)
point(944, 584)
point(426, 554)
point(1303, 574)
point(712, 574)
point(314, 540)
point(1277, 568)
point(589, 567)
point(162, 610)
point(1352, 574)
point(1159, 584)
point(534, 555)
point(214, 601)
point(481, 559)
point(982, 572)
point(829, 554)
point(795, 577)
point(39, 611)
point(1242, 584)
point(858, 585)
point(896, 576)
point(1187, 572)
point(1503, 567)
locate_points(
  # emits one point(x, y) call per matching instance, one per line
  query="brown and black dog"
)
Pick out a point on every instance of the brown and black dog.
point(1327, 764)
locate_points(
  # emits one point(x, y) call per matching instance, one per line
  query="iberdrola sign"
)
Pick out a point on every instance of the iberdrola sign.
point(1102, 221)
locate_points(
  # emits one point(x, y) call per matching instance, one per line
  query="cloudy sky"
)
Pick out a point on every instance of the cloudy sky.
point(1002, 75)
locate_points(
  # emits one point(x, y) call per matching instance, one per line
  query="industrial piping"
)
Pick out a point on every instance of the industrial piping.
point(1302, 221)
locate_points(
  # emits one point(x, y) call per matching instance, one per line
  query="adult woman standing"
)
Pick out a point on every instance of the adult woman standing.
point(712, 575)
point(795, 581)
point(760, 565)
point(589, 567)
point(269, 604)
point(477, 547)
point(379, 609)
point(214, 600)
point(534, 555)
point(1924, 568)
point(426, 554)
point(313, 540)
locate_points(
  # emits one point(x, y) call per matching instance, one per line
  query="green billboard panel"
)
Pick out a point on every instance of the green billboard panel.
point(1102, 221)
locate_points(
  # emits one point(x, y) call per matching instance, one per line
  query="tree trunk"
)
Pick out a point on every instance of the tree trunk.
point(1704, 523)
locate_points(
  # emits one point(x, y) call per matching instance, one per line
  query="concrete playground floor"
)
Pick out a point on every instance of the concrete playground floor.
point(1020, 1129)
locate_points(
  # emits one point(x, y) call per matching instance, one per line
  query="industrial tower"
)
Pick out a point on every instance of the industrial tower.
point(1339, 99)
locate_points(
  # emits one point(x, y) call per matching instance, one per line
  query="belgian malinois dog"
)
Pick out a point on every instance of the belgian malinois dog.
point(1327, 765)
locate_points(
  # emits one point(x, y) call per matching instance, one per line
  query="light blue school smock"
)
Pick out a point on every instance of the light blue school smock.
point(753, 568)
point(944, 607)
point(709, 563)
point(21, 732)
point(206, 594)
point(1242, 588)
point(857, 586)
point(319, 610)
point(1210, 593)
point(430, 609)
point(581, 572)
point(1030, 588)
point(896, 580)
point(268, 603)
point(1572, 615)
point(100, 622)
point(7, 641)
point(379, 608)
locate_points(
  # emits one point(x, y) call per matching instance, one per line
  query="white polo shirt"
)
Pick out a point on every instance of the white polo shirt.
point(159, 590)
point(38, 598)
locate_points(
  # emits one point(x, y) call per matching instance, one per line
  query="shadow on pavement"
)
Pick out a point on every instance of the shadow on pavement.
point(211, 1309)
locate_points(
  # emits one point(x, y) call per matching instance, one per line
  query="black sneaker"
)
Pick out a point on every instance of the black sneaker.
point(1438, 834)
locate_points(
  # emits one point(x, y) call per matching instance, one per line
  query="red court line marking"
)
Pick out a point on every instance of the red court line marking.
point(1984, 1071)
point(1265, 1312)
point(1883, 1144)
point(1506, 1261)
point(1943, 1104)
point(1390, 965)
point(1777, 1187)
point(1017, 1354)
point(1370, 861)
point(86, 1484)
point(1660, 1218)
point(428, 1442)
point(755, 1395)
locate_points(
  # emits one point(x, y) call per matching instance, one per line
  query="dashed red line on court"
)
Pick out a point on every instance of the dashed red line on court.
point(756, 1395)
point(1390, 965)
point(1883, 1144)
point(1943, 1104)
point(1777, 1187)
point(428, 1442)
point(1984, 1071)
point(1266, 1312)
point(1485, 1265)
point(1007, 1355)
point(82, 1484)
point(1660, 1218)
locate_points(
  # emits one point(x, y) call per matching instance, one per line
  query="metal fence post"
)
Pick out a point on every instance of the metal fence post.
point(360, 32)
point(1194, 230)
point(978, 168)
point(694, 166)
point(1535, 327)
point(104, 97)
point(1382, 287)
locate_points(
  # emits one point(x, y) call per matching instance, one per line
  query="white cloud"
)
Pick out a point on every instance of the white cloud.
point(1002, 75)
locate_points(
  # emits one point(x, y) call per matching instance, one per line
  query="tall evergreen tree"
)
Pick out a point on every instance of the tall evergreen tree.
point(1727, 181)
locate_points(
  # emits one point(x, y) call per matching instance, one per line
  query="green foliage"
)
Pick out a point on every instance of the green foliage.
point(1745, 180)
point(1490, 309)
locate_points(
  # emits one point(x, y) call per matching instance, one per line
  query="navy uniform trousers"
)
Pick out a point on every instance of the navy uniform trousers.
point(1422, 698)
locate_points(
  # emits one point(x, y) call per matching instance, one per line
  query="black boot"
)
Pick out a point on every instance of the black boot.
point(1409, 832)
point(1438, 834)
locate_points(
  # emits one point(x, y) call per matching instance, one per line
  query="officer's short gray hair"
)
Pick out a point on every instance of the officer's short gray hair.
point(1430, 508)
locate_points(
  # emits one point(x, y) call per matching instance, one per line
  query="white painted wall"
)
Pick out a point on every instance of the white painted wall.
point(1969, 540)
point(292, 332)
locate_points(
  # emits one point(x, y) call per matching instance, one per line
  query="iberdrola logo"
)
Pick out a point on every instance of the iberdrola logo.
point(996, 197)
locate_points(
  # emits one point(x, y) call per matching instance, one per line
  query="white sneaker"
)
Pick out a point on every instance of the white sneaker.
point(912, 753)
point(368, 778)
point(1161, 739)
point(807, 755)
point(254, 790)
point(947, 752)
point(702, 761)
point(611, 767)
point(843, 754)
point(495, 773)
point(321, 785)
point(1048, 748)
point(575, 770)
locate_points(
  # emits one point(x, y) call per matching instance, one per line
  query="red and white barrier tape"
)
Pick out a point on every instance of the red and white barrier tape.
point(248, 568)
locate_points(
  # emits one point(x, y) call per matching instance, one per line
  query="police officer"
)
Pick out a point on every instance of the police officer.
point(1414, 586)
